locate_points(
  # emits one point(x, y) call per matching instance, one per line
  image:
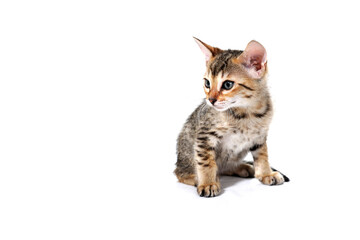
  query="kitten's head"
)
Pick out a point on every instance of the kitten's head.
point(233, 78)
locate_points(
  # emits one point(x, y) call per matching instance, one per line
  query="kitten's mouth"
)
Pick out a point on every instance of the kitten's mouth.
point(221, 107)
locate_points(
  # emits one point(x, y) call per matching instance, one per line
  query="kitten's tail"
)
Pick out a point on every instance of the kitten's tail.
point(285, 177)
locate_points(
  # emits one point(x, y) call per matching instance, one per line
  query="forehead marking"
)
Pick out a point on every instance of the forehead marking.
point(221, 61)
point(220, 79)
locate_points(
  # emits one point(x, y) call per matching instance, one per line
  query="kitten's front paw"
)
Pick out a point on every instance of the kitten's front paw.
point(209, 190)
point(275, 178)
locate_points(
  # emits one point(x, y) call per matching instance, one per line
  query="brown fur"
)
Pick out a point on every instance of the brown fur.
point(218, 135)
point(188, 179)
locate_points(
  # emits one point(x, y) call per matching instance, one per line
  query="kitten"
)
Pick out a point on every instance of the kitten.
point(233, 120)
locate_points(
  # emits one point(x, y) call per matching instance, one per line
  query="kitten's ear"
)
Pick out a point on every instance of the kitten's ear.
point(254, 59)
point(208, 50)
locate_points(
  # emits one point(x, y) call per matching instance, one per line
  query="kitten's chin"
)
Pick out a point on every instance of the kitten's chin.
point(220, 109)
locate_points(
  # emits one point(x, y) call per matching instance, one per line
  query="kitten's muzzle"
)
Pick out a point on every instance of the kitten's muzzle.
point(212, 100)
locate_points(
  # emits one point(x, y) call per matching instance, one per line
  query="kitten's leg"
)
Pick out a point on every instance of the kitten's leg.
point(206, 170)
point(189, 179)
point(263, 171)
point(244, 170)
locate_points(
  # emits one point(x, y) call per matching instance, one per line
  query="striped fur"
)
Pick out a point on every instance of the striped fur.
point(219, 133)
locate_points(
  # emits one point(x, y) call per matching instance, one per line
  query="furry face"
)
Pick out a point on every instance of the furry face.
point(232, 76)
point(228, 90)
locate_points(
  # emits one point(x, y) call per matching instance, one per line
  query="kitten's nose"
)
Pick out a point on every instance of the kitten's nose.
point(212, 100)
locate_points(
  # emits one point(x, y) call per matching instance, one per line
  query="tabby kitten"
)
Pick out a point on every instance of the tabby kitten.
point(233, 120)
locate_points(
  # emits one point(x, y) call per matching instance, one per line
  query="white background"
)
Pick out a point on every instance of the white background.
point(94, 93)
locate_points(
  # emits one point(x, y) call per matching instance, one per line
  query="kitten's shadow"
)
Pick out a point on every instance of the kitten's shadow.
point(228, 181)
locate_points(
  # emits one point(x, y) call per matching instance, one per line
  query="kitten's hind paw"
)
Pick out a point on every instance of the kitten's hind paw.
point(275, 178)
point(209, 190)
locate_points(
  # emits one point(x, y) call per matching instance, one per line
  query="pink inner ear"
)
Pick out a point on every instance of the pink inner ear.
point(255, 50)
point(256, 62)
point(254, 58)
point(208, 54)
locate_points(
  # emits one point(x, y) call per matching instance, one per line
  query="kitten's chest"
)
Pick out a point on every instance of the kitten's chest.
point(236, 141)
point(242, 137)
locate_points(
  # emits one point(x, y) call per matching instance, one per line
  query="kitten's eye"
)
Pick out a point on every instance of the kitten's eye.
point(227, 85)
point(207, 83)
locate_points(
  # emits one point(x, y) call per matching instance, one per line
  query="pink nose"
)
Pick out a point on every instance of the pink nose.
point(212, 100)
